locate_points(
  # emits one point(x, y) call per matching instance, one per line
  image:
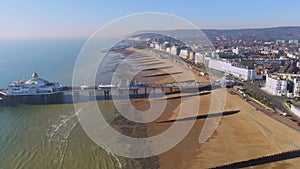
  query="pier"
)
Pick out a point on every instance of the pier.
point(134, 91)
point(71, 95)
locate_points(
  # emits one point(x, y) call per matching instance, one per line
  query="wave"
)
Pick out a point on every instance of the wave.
point(59, 135)
point(107, 149)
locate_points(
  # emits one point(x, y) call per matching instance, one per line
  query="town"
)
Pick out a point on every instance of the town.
point(268, 69)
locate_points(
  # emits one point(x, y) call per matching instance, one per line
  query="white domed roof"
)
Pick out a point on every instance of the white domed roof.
point(37, 81)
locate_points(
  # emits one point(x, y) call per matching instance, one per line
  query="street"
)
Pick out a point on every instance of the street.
point(277, 104)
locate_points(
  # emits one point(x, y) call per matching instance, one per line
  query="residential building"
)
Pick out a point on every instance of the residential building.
point(199, 58)
point(175, 50)
point(184, 53)
point(276, 85)
point(296, 87)
point(192, 56)
point(240, 71)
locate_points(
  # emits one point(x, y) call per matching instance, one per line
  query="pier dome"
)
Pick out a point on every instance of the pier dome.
point(35, 81)
point(34, 75)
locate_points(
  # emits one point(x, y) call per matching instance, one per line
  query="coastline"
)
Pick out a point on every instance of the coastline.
point(261, 135)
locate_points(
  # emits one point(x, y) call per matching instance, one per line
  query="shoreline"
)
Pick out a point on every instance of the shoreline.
point(225, 145)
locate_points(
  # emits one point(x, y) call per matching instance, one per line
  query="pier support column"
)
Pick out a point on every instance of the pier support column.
point(145, 90)
point(46, 99)
point(135, 92)
point(91, 94)
point(106, 94)
point(76, 96)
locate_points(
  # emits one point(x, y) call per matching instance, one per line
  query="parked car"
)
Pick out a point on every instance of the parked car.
point(297, 123)
point(283, 114)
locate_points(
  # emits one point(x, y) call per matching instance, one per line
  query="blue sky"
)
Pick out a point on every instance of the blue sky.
point(58, 18)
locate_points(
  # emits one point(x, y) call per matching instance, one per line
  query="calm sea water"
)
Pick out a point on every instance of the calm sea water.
point(45, 136)
point(53, 59)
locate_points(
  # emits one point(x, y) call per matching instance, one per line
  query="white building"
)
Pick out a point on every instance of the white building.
point(184, 53)
point(156, 46)
point(168, 50)
point(292, 56)
point(278, 42)
point(152, 45)
point(199, 58)
point(174, 50)
point(239, 71)
point(296, 88)
point(236, 51)
point(293, 41)
point(298, 64)
point(276, 86)
point(192, 56)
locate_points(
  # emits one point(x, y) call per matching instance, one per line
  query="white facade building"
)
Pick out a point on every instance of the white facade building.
point(292, 56)
point(168, 50)
point(236, 51)
point(293, 41)
point(184, 53)
point(276, 86)
point(238, 71)
point(296, 88)
point(280, 42)
point(152, 45)
point(174, 50)
point(156, 46)
point(199, 58)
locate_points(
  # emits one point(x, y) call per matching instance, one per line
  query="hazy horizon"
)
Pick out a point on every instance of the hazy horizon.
point(57, 19)
point(86, 37)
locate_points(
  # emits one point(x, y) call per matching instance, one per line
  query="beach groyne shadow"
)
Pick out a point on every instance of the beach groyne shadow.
point(158, 68)
point(146, 61)
point(225, 113)
point(186, 96)
point(152, 64)
point(141, 59)
point(207, 88)
point(262, 160)
point(164, 74)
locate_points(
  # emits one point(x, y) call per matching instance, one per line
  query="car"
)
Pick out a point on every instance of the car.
point(283, 114)
point(289, 117)
point(232, 93)
point(294, 120)
point(297, 123)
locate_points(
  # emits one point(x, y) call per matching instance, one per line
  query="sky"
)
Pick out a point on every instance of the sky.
point(74, 19)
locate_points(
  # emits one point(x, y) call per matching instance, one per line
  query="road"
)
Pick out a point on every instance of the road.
point(276, 101)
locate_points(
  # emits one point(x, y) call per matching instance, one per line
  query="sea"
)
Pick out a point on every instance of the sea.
point(46, 136)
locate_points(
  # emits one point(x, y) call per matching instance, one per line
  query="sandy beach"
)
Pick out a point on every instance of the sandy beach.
point(244, 135)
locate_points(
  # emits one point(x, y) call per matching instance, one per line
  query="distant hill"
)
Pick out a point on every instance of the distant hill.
point(284, 33)
point(266, 34)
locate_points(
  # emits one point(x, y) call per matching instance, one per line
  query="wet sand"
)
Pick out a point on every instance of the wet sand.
point(245, 135)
